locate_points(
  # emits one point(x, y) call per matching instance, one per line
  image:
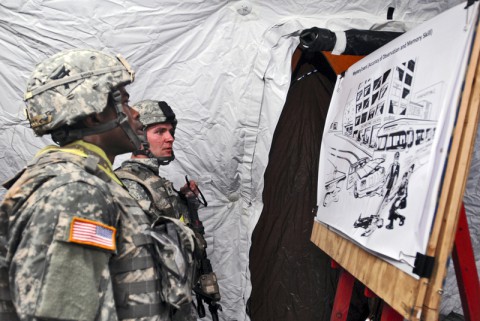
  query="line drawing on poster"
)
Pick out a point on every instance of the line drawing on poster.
point(389, 128)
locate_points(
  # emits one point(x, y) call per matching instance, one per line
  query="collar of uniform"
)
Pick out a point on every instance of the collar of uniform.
point(84, 149)
point(150, 163)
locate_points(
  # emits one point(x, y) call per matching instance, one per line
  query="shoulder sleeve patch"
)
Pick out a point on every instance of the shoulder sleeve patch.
point(93, 233)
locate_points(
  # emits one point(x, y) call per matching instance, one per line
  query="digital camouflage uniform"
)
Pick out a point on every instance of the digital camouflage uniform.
point(157, 197)
point(164, 202)
point(52, 275)
point(74, 244)
point(156, 194)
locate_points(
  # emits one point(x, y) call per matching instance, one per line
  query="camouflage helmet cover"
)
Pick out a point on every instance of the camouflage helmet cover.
point(72, 85)
point(155, 112)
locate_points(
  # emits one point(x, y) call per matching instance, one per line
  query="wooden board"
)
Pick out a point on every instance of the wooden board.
point(394, 286)
point(413, 298)
point(454, 183)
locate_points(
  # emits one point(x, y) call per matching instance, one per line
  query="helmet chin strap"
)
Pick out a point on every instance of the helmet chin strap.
point(165, 160)
point(147, 152)
point(68, 135)
point(122, 121)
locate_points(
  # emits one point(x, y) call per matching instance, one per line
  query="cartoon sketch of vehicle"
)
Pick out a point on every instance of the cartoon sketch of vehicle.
point(352, 171)
point(332, 189)
point(367, 176)
point(369, 223)
point(405, 135)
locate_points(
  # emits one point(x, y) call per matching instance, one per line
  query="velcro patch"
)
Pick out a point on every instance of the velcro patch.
point(92, 233)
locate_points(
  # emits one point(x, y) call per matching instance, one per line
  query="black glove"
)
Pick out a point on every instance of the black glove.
point(469, 3)
point(317, 39)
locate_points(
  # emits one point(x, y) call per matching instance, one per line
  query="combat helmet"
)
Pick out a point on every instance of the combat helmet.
point(155, 112)
point(73, 84)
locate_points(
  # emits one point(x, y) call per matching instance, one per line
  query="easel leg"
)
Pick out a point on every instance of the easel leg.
point(465, 269)
point(342, 296)
point(389, 314)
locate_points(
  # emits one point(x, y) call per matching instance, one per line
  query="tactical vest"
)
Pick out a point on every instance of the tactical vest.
point(175, 242)
point(135, 278)
point(158, 189)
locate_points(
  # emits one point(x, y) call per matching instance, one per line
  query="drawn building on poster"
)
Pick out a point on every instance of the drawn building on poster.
point(387, 136)
point(392, 131)
point(386, 98)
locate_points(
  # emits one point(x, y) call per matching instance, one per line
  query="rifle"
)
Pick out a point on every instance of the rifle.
point(206, 288)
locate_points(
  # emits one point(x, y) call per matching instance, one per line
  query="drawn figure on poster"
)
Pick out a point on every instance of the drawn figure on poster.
point(380, 130)
point(388, 128)
point(392, 176)
point(400, 201)
point(369, 223)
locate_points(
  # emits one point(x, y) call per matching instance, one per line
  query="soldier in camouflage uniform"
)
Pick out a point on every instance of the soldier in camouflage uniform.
point(154, 193)
point(73, 243)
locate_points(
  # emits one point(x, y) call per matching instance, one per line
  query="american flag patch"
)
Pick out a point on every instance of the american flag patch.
point(92, 233)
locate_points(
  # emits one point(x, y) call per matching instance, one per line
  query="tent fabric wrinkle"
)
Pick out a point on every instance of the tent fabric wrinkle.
point(226, 73)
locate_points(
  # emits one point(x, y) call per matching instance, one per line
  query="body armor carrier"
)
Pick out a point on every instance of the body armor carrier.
point(135, 278)
point(163, 200)
point(174, 241)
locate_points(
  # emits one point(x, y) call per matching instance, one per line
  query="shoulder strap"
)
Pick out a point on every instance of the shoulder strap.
point(9, 183)
point(152, 184)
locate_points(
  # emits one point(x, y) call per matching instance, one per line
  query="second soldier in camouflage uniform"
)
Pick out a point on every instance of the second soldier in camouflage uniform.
point(72, 241)
point(140, 174)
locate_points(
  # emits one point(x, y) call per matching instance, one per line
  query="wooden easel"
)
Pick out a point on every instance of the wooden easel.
point(403, 295)
point(465, 270)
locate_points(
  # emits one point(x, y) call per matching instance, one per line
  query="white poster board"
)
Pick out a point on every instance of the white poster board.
point(387, 137)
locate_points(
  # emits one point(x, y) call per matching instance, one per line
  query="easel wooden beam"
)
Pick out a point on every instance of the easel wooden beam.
point(442, 238)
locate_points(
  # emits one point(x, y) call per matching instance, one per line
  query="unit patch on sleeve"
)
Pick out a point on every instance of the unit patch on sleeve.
point(92, 233)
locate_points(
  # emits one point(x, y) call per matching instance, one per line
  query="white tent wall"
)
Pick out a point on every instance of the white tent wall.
point(224, 69)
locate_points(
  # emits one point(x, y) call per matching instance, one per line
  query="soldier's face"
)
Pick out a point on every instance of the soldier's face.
point(160, 139)
point(116, 140)
point(132, 115)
